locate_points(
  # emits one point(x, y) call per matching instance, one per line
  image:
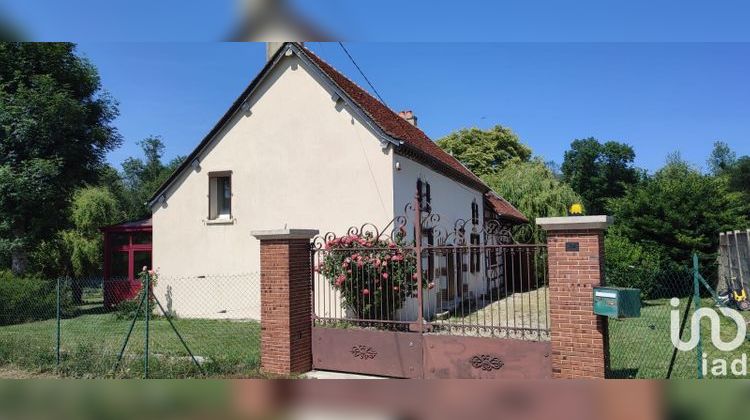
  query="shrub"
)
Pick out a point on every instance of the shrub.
point(30, 298)
point(374, 276)
point(127, 308)
point(629, 264)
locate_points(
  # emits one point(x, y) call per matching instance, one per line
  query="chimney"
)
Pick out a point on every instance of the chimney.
point(409, 117)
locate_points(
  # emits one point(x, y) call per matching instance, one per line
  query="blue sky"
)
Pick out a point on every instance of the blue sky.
point(658, 97)
point(395, 20)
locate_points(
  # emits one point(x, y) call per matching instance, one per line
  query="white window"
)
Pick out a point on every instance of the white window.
point(220, 195)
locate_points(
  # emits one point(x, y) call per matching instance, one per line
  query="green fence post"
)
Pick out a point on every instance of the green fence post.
point(57, 348)
point(697, 302)
point(147, 291)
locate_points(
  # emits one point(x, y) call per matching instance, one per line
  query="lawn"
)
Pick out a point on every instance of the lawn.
point(520, 310)
point(642, 348)
point(91, 342)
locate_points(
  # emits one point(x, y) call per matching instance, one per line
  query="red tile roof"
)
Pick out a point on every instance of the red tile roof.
point(504, 209)
point(413, 138)
point(390, 122)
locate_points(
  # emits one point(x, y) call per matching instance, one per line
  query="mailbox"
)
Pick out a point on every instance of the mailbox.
point(617, 302)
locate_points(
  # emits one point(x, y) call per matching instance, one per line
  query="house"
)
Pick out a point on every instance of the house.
point(302, 147)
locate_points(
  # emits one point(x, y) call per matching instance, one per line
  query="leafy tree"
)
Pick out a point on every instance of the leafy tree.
point(678, 211)
point(535, 191)
point(92, 208)
point(722, 158)
point(55, 129)
point(142, 177)
point(599, 171)
point(739, 176)
point(485, 151)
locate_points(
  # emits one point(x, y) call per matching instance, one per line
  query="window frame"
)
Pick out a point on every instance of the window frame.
point(213, 177)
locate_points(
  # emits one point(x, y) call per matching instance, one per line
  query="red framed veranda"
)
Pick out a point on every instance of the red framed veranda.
point(127, 249)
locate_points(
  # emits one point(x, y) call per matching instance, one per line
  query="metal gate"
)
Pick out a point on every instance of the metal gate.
point(418, 300)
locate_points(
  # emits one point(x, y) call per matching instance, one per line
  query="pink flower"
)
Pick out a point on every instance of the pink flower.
point(391, 245)
point(377, 262)
point(340, 280)
point(395, 288)
point(387, 257)
point(360, 263)
point(397, 257)
point(385, 276)
point(366, 292)
point(151, 272)
point(414, 276)
point(430, 285)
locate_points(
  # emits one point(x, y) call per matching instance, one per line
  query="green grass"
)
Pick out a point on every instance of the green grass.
point(91, 342)
point(642, 348)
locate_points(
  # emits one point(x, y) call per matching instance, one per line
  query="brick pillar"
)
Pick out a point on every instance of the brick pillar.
point(285, 299)
point(575, 245)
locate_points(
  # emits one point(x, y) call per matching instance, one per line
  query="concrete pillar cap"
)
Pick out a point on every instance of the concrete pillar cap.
point(600, 222)
point(285, 234)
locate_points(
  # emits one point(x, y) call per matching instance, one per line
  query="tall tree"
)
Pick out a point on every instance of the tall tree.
point(722, 158)
point(678, 211)
point(55, 129)
point(143, 176)
point(599, 171)
point(92, 208)
point(485, 151)
point(534, 190)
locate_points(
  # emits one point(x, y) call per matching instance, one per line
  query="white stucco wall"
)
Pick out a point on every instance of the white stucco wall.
point(298, 160)
point(450, 200)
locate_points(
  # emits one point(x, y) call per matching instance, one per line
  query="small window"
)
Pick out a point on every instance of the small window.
point(424, 197)
point(475, 254)
point(474, 213)
point(220, 195)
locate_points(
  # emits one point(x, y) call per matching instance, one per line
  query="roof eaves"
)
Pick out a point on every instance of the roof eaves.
point(236, 105)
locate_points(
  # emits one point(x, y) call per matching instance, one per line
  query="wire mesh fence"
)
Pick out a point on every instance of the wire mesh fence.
point(642, 347)
point(645, 347)
point(198, 326)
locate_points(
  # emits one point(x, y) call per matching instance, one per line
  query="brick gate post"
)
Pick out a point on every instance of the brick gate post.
point(575, 246)
point(285, 300)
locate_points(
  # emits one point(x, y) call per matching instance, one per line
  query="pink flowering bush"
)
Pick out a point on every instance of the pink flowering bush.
point(374, 276)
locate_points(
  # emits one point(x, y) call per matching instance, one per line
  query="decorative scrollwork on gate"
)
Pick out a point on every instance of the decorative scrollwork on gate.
point(363, 352)
point(486, 362)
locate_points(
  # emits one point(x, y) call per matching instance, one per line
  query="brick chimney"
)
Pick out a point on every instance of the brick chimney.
point(409, 116)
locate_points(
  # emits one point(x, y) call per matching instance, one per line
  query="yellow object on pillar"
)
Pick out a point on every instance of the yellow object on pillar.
point(576, 209)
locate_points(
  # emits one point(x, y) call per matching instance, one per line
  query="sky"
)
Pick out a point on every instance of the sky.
point(662, 76)
point(657, 97)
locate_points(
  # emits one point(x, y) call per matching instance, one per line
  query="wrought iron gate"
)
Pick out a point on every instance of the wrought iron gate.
point(417, 300)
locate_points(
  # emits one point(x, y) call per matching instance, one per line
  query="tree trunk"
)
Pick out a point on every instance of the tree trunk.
point(19, 261)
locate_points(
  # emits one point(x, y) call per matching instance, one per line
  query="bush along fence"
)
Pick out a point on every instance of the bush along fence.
point(192, 326)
